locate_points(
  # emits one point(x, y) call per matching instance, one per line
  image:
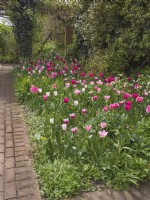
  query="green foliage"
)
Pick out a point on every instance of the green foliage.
point(7, 44)
point(65, 177)
point(118, 160)
point(48, 50)
point(123, 33)
point(22, 16)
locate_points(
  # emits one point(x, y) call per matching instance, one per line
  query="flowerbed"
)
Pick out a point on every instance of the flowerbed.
point(91, 127)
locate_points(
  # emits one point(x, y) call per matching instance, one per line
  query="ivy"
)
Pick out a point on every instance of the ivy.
point(22, 16)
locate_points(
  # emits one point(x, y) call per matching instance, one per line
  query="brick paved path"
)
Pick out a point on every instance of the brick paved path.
point(142, 193)
point(17, 177)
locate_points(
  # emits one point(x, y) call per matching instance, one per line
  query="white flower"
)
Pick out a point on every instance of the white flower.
point(40, 90)
point(76, 103)
point(48, 94)
point(51, 120)
point(55, 93)
point(64, 127)
point(83, 89)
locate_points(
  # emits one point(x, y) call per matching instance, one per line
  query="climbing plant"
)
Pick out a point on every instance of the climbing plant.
point(22, 16)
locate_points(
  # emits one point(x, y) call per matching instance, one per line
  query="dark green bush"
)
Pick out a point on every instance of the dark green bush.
point(121, 29)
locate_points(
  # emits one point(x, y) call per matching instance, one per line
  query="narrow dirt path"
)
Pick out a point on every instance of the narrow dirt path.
point(17, 177)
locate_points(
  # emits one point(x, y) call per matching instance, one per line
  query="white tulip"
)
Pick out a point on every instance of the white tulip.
point(48, 94)
point(51, 120)
point(76, 103)
point(55, 93)
point(64, 127)
point(40, 90)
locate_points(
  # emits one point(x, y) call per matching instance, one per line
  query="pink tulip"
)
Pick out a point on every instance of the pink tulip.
point(82, 74)
point(34, 89)
point(127, 107)
point(106, 97)
point(66, 100)
point(129, 103)
point(88, 127)
point(148, 109)
point(135, 95)
point(103, 125)
point(72, 116)
point(105, 109)
point(77, 91)
point(139, 99)
point(101, 74)
point(73, 81)
point(91, 74)
point(67, 84)
point(74, 130)
point(45, 97)
point(66, 121)
point(99, 82)
point(127, 95)
point(94, 98)
point(103, 133)
point(84, 110)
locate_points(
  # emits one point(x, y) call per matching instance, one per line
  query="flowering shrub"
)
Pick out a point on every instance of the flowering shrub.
point(90, 118)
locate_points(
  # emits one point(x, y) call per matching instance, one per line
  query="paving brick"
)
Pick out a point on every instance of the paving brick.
point(23, 163)
point(1, 158)
point(29, 197)
point(95, 196)
point(9, 143)
point(19, 130)
point(27, 183)
point(9, 175)
point(8, 123)
point(9, 152)
point(9, 162)
point(2, 140)
point(18, 133)
point(1, 196)
point(23, 170)
point(9, 136)
point(9, 129)
point(22, 148)
point(10, 190)
point(19, 137)
point(25, 191)
point(1, 148)
point(128, 196)
point(19, 144)
point(2, 126)
point(24, 176)
point(21, 158)
point(1, 132)
point(1, 169)
point(117, 195)
point(1, 184)
point(21, 153)
point(18, 125)
point(19, 140)
point(136, 194)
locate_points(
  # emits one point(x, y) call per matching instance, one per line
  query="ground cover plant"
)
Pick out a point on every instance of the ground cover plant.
point(86, 126)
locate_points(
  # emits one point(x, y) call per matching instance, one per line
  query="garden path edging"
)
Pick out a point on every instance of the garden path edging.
point(18, 180)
